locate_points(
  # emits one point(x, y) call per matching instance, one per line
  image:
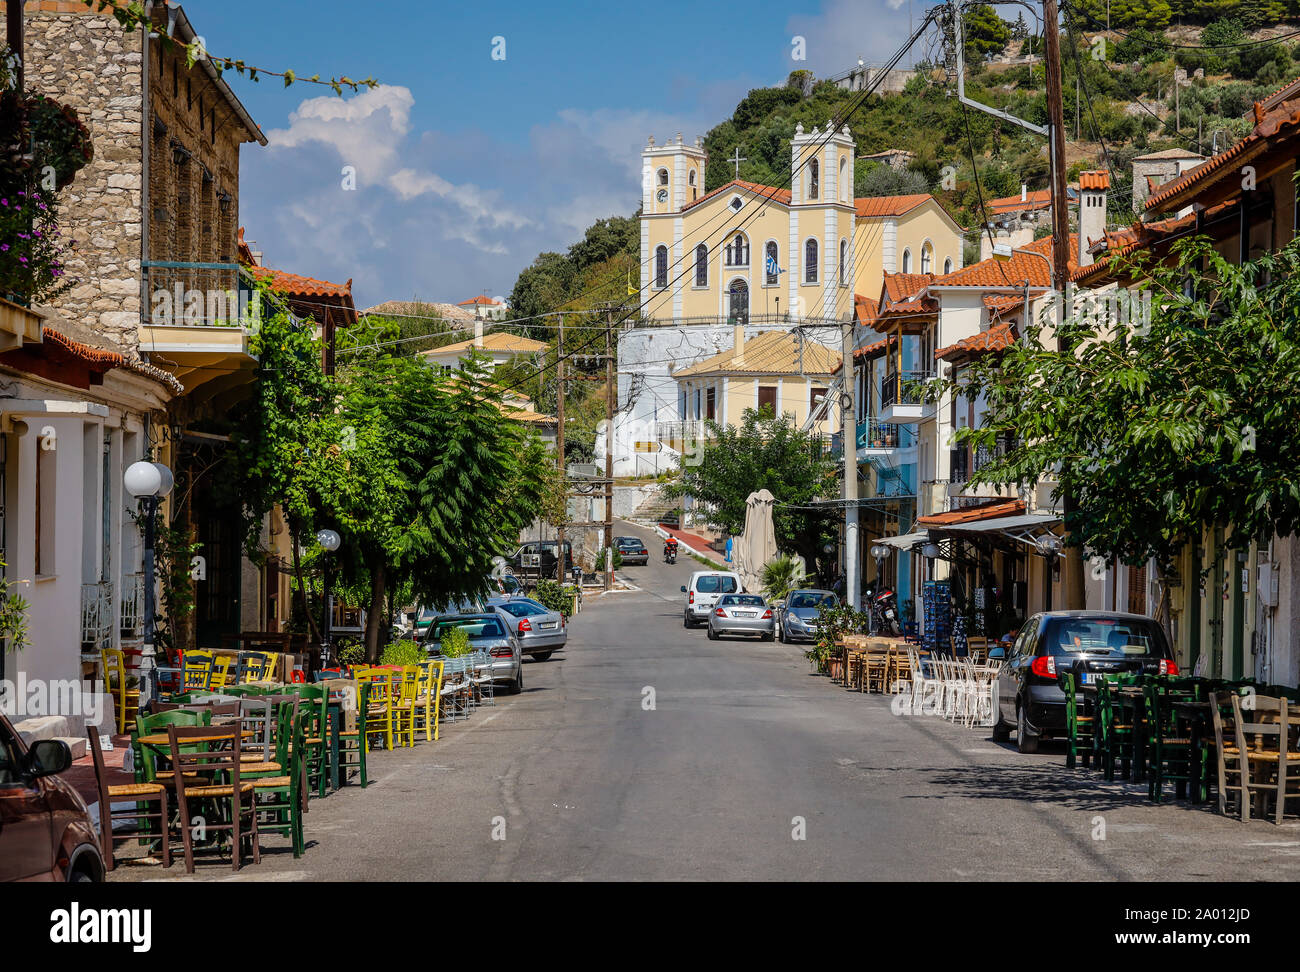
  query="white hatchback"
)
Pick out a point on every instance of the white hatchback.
point(703, 591)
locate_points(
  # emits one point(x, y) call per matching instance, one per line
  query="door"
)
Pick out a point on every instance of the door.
point(738, 304)
point(1218, 597)
point(26, 849)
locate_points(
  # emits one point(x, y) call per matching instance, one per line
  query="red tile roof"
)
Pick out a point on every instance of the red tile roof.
point(483, 300)
point(1034, 199)
point(774, 193)
point(1014, 271)
point(1269, 124)
point(298, 286)
point(1094, 180)
point(875, 207)
point(974, 514)
point(58, 348)
point(996, 338)
point(1121, 243)
point(872, 350)
point(864, 308)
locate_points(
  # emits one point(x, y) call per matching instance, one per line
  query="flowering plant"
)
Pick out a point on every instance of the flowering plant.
point(32, 250)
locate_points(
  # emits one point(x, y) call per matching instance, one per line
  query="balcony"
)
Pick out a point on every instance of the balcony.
point(965, 462)
point(96, 616)
point(877, 438)
point(132, 624)
point(903, 397)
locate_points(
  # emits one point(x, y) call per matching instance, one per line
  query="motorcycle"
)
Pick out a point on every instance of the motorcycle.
point(670, 553)
point(883, 606)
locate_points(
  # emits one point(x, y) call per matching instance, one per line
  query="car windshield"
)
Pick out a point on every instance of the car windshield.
point(807, 599)
point(474, 627)
point(628, 542)
point(742, 600)
point(521, 609)
point(716, 584)
point(1111, 637)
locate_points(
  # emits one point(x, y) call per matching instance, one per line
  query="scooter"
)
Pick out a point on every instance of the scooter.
point(883, 606)
point(670, 553)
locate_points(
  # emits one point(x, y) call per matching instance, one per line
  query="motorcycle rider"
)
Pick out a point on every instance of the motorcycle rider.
point(670, 550)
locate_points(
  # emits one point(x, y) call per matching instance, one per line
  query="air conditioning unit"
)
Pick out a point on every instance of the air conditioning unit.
point(1268, 585)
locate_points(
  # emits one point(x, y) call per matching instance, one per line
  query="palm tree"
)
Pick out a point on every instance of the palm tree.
point(781, 575)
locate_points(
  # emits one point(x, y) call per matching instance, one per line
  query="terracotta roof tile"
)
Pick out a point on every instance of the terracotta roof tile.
point(973, 514)
point(1014, 271)
point(482, 301)
point(769, 353)
point(875, 207)
point(773, 193)
point(864, 308)
point(1034, 199)
point(298, 286)
point(996, 338)
point(1094, 180)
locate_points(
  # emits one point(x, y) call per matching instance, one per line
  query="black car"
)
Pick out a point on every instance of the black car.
point(1087, 643)
point(632, 550)
point(539, 558)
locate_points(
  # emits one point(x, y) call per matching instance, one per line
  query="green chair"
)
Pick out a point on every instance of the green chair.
point(146, 757)
point(1079, 725)
point(314, 712)
point(1114, 736)
point(352, 742)
point(1169, 744)
point(279, 799)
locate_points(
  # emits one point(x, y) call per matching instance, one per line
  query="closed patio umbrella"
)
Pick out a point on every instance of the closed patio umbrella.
point(757, 545)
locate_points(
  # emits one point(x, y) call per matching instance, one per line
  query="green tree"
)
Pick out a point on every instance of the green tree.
point(769, 453)
point(985, 32)
point(884, 180)
point(1160, 429)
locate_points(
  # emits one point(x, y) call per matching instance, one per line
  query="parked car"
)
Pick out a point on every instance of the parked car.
point(703, 591)
point(426, 616)
point(540, 557)
point(488, 631)
point(506, 585)
point(633, 550)
point(45, 830)
point(1088, 643)
point(797, 615)
point(539, 630)
point(747, 614)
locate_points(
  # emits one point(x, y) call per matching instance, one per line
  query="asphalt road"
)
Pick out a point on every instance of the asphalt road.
point(746, 767)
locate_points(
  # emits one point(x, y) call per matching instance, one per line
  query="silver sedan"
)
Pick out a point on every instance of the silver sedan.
point(746, 614)
point(538, 629)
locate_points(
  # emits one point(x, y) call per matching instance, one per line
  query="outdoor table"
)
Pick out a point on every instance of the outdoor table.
point(157, 739)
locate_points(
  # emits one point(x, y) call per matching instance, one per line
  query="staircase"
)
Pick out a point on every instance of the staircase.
point(652, 509)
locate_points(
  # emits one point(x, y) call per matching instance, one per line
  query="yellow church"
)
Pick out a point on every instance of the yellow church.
point(747, 253)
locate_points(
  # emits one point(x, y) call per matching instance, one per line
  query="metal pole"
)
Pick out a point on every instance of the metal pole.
point(147, 666)
point(560, 565)
point(609, 450)
point(329, 614)
point(849, 445)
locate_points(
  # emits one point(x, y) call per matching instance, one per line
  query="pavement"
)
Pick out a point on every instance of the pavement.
point(646, 752)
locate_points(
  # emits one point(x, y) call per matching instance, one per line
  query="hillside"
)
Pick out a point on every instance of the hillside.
point(1119, 96)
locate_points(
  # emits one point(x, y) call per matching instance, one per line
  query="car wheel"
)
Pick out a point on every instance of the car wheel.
point(686, 621)
point(541, 656)
point(1001, 731)
point(713, 635)
point(769, 637)
point(780, 633)
point(517, 685)
point(1026, 741)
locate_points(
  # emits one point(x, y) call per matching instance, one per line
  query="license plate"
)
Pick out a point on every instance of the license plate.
point(1088, 678)
point(745, 614)
point(549, 624)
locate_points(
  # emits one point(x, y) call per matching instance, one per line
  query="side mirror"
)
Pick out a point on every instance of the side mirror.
point(683, 588)
point(997, 652)
point(47, 757)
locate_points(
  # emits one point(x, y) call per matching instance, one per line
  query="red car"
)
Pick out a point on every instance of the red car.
point(45, 829)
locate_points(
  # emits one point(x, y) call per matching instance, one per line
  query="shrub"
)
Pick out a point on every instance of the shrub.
point(455, 643)
point(402, 653)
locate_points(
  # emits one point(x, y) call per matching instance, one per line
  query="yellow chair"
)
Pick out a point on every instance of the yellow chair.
point(221, 676)
point(408, 689)
point(126, 700)
point(428, 700)
point(379, 711)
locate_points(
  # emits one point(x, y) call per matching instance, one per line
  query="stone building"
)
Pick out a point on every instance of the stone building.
point(1153, 170)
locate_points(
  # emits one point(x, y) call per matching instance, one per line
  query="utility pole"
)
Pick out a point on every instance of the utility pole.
point(849, 445)
point(1073, 571)
point(560, 560)
point(609, 449)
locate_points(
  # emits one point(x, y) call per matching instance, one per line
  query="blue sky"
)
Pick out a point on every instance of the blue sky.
point(466, 167)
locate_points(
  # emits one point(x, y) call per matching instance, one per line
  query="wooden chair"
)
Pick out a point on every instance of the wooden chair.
point(1080, 727)
point(408, 689)
point(378, 714)
point(352, 741)
point(876, 669)
point(427, 699)
point(146, 757)
point(977, 649)
point(1272, 764)
point(197, 670)
point(126, 700)
point(1169, 743)
point(1113, 731)
point(278, 799)
point(1227, 753)
point(207, 771)
point(150, 824)
point(901, 678)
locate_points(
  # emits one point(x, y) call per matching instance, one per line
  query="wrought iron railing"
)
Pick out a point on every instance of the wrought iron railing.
point(984, 455)
point(197, 294)
point(903, 388)
point(96, 615)
point(959, 465)
point(132, 623)
point(875, 434)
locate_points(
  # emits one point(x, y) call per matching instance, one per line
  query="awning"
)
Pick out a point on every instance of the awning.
point(906, 541)
point(1026, 528)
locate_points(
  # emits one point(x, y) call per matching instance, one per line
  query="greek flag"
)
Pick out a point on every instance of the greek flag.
point(771, 268)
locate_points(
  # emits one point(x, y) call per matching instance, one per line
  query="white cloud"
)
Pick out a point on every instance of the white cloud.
point(848, 29)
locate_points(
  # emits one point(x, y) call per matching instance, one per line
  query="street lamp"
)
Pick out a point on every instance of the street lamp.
point(148, 482)
point(329, 541)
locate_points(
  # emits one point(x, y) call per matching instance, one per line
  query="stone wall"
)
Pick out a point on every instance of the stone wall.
point(88, 62)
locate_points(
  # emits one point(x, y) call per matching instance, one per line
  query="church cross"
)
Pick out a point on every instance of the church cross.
point(737, 160)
